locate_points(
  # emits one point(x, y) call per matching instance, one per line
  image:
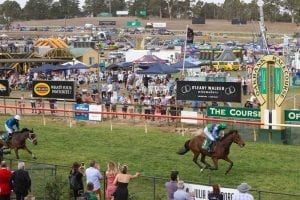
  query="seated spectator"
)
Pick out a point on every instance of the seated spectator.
point(242, 193)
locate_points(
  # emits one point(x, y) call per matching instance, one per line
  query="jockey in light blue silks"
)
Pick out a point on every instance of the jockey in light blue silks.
point(212, 132)
point(11, 124)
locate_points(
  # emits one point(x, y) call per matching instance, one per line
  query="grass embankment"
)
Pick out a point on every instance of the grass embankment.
point(269, 167)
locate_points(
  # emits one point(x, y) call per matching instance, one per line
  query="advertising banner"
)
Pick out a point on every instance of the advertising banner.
point(53, 89)
point(81, 115)
point(85, 115)
point(233, 112)
point(209, 91)
point(201, 191)
point(4, 88)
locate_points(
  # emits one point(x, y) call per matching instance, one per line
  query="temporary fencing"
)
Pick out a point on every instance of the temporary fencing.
point(43, 175)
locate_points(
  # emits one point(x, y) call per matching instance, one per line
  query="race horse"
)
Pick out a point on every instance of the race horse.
point(221, 149)
point(18, 141)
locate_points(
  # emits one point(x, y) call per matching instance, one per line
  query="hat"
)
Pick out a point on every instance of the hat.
point(244, 187)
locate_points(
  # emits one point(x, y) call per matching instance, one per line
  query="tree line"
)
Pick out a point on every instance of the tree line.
point(274, 10)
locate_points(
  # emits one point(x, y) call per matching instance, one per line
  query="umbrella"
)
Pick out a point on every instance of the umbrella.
point(4, 68)
point(187, 65)
point(44, 68)
point(125, 65)
point(113, 67)
point(158, 68)
point(149, 59)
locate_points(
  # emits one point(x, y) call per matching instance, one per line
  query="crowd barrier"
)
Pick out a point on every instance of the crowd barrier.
point(142, 188)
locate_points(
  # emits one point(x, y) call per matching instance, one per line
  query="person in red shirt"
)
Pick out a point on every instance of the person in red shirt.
point(5, 188)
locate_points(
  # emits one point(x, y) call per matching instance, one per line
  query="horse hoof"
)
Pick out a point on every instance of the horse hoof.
point(34, 158)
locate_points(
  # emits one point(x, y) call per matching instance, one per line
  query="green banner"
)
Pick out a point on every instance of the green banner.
point(231, 112)
point(134, 23)
point(292, 115)
point(263, 80)
point(277, 80)
point(140, 12)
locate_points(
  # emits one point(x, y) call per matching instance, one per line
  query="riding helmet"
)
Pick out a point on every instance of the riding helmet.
point(17, 117)
point(223, 125)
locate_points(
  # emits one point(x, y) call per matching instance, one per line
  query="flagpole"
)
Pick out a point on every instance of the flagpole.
point(184, 50)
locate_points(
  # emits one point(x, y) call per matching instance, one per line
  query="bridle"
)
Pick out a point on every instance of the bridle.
point(31, 137)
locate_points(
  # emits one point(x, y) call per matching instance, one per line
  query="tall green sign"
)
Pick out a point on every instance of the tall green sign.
point(231, 112)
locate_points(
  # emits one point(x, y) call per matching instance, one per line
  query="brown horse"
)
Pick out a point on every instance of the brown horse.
point(221, 149)
point(18, 141)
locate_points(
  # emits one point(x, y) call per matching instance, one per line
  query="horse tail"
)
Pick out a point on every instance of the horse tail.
point(184, 149)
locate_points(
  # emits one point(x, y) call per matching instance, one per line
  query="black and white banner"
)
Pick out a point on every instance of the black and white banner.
point(54, 89)
point(209, 91)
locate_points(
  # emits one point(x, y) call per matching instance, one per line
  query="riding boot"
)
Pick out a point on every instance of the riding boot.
point(8, 138)
point(211, 147)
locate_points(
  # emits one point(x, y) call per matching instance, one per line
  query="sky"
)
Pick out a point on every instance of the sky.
point(23, 2)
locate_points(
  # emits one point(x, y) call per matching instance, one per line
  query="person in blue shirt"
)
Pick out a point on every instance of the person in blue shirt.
point(212, 132)
point(11, 125)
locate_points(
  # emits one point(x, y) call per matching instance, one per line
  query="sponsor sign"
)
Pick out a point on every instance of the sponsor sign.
point(107, 23)
point(209, 91)
point(85, 115)
point(81, 115)
point(134, 23)
point(159, 24)
point(232, 112)
point(53, 89)
point(189, 114)
point(4, 88)
point(292, 115)
point(201, 191)
point(122, 12)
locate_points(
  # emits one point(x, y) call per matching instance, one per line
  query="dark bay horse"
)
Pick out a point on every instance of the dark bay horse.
point(18, 141)
point(221, 149)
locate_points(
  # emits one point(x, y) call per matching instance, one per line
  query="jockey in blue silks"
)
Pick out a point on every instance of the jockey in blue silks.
point(212, 132)
point(11, 124)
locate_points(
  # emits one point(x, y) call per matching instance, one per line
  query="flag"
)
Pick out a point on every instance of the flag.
point(190, 36)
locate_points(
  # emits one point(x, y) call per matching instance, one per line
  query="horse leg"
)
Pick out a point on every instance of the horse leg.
point(195, 159)
point(216, 166)
point(230, 164)
point(30, 152)
point(17, 153)
point(207, 165)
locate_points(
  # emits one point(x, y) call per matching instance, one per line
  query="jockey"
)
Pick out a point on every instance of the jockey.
point(212, 132)
point(10, 124)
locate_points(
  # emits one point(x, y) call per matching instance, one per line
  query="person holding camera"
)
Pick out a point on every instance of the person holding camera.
point(75, 179)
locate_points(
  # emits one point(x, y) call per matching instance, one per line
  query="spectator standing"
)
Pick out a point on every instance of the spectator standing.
point(33, 105)
point(21, 182)
point(242, 193)
point(94, 176)
point(110, 174)
point(180, 194)
point(171, 186)
point(5, 175)
point(216, 193)
point(121, 181)
point(75, 178)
